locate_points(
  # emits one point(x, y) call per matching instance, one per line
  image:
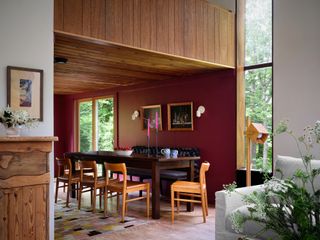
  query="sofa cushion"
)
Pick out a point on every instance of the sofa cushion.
point(289, 165)
point(250, 227)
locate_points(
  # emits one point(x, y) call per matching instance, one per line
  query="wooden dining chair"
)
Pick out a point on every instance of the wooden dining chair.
point(66, 177)
point(191, 190)
point(125, 187)
point(89, 181)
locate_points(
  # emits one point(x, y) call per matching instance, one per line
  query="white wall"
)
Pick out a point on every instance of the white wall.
point(296, 67)
point(26, 40)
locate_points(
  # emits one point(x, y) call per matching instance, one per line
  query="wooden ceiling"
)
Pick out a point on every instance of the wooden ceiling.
point(98, 64)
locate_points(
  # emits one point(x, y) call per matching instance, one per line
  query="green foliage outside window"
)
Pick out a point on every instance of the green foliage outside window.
point(85, 117)
point(104, 125)
point(105, 134)
point(258, 81)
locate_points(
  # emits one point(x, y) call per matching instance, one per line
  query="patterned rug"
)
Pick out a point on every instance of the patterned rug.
point(71, 223)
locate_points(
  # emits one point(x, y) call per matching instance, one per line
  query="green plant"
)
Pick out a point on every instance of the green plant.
point(285, 206)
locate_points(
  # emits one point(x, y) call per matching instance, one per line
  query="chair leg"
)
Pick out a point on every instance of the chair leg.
point(80, 192)
point(118, 201)
point(124, 195)
point(105, 201)
point(94, 200)
point(178, 202)
point(100, 193)
point(172, 204)
point(77, 191)
point(91, 196)
point(203, 205)
point(68, 194)
point(148, 200)
point(206, 199)
point(127, 197)
point(57, 187)
point(140, 192)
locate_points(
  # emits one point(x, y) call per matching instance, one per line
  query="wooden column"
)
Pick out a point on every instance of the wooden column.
point(24, 187)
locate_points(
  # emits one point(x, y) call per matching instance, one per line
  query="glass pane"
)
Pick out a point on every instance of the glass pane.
point(258, 32)
point(104, 131)
point(85, 119)
point(259, 109)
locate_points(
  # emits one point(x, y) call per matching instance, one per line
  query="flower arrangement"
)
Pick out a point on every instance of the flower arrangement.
point(285, 206)
point(10, 118)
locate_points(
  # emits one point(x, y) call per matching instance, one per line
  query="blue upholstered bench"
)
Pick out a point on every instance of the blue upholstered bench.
point(171, 175)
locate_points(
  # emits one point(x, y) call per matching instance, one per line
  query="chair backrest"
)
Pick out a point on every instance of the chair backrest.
point(63, 165)
point(118, 168)
point(85, 166)
point(204, 167)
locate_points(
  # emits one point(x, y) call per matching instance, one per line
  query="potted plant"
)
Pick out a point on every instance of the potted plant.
point(14, 120)
point(285, 206)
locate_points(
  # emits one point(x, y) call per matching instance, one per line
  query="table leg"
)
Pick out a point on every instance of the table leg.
point(155, 191)
point(73, 185)
point(190, 206)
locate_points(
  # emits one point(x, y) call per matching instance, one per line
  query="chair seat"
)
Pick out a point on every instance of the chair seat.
point(66, 179)
point(88, 180)
point(131, 186)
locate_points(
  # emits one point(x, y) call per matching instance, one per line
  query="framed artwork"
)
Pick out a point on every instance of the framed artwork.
point(25, 90)
point(149, 112)
point(180, 116)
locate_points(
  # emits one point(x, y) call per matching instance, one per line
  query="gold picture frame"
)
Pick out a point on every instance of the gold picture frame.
point(149, 112)
point(180, 116)
point(25, 90)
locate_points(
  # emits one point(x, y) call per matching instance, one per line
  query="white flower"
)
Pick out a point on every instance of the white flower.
point(13, 118)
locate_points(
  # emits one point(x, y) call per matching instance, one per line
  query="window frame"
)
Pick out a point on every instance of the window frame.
point(241, 69)
point(94, 120)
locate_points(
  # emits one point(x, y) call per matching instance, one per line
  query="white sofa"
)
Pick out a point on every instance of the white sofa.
point(227, 203)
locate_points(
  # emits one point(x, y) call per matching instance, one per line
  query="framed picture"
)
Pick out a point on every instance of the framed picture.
point(25, 90)
point(149, 112)
point(180, 116)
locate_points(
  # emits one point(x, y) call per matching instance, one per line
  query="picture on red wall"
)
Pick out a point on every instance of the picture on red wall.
point(151, 112)
point(180, 116)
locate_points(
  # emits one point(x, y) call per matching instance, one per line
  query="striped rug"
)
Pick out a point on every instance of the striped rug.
point(71, 223)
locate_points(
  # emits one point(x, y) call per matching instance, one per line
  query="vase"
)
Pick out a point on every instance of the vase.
point(13, 132)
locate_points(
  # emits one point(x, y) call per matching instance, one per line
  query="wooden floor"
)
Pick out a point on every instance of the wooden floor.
point(187, 225)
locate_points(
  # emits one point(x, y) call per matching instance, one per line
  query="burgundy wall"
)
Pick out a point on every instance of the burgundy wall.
point(214, 133)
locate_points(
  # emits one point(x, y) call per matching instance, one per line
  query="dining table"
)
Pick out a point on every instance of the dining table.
point(155, 163)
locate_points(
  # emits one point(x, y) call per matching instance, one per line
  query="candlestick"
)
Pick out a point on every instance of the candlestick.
point(156, 141)
point(156, 120)
point(148, 133)
point(148, 140)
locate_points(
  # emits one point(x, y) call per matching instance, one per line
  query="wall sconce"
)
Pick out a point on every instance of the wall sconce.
point(256, 133)
point(200, 111)
point(135, 114)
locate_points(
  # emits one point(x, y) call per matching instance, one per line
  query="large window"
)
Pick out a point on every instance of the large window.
point(95, 124)
point(255, 16)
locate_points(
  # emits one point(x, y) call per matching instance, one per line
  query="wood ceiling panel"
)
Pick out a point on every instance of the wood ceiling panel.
point(97, 64)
